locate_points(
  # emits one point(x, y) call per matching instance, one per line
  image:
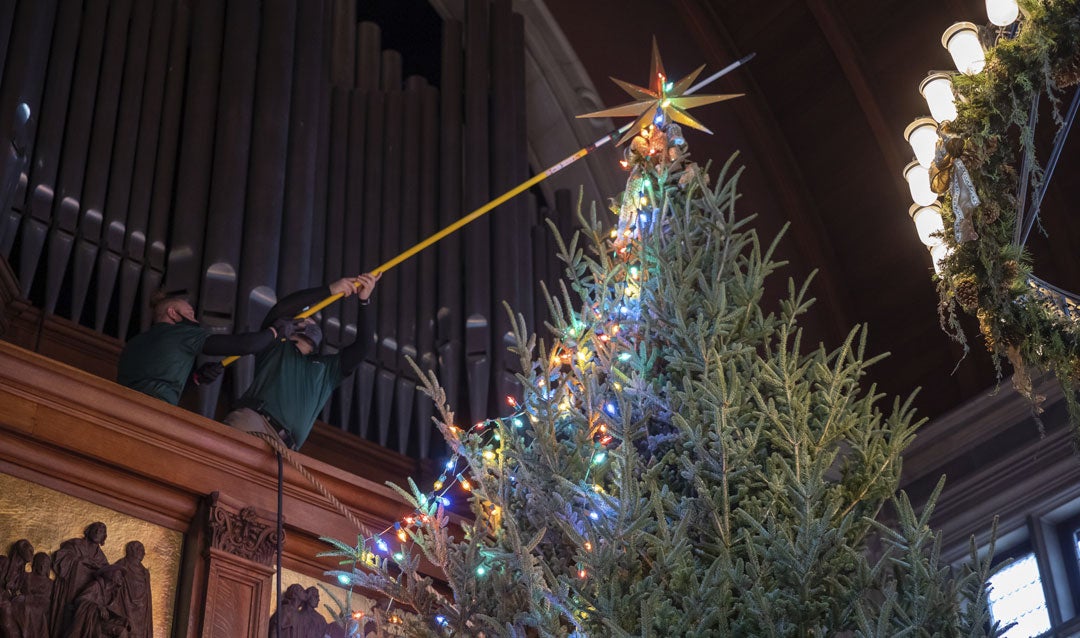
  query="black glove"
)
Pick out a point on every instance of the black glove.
point(207, 373)
point(285, 327)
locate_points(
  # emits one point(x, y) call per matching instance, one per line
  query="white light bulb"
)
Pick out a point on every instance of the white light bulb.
point(927, 222)
point(1002, 12)
point(922, 135)
point(937, 90)
point(918, 179)
point(938, 254)
point(962, 41)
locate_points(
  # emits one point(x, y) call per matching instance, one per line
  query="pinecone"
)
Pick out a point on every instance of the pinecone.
point(1067, 73)
point(990, 212)
point(1010, 270)
point(967, 293)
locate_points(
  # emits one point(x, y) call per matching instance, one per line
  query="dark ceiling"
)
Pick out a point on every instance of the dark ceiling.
point(832, 86)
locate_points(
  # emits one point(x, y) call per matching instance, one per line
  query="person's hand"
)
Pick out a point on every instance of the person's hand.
point(207, 373)
point(365, 285)
point(344, 287)
point(286, 327)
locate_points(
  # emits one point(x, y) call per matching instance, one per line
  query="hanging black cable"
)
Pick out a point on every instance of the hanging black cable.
point(280, 537)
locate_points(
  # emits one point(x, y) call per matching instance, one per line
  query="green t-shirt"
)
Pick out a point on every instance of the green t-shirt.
point(292, 388)
point(159, 361)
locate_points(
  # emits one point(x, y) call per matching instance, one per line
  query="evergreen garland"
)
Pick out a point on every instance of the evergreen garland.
point(989, 277)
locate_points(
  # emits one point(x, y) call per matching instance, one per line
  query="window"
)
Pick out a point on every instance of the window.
point(1016, 595)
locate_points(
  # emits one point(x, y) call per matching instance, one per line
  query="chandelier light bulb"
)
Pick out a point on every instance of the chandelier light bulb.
point(918, 179)
point(922, 135)
point(1002, 12)
point(962, 41)
point(927, 222)
point(937, 90)
point(938, 254)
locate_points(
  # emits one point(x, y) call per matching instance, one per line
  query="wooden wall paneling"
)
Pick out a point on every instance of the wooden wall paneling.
point(304, 117)
point(335, 208)
point(168, 155)
point(388, 344)
point(23, 79)
point(69, 186)
point(477, 236)
point(257, 291)
point(343, 43)
point(504, 222)
point(368, 55)
point(353, 238)
point(450, 326)
point(228, 186)
point(408, 272)
point(371, 240)
point(41, 186)
point(100, 155)
point(145, 162)
point(196, 160)
point(427, 262)
point(118, 196)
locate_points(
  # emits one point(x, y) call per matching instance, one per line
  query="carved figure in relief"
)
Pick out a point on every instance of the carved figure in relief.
point(13, 586)
point(99, 609)
point(134, 597)
point(288, 613)
point(76, 562)
point(34, 620)
point(312, 624)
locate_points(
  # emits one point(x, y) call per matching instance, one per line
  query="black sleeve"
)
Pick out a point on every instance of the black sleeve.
point(352, 355)
point(244, 343)
point(294, 304)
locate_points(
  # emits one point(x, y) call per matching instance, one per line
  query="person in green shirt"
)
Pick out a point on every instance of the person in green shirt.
point(161, 361)
point(291, 382)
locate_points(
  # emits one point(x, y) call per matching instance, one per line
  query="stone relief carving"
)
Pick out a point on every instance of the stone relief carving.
point(88, 598)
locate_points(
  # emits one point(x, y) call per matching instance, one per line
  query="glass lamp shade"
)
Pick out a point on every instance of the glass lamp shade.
point(927, 222)
point(962, 41)
point(918, 179)
point(922, 136)
point(1002, 12)
point(937, 255)
point(937, 90)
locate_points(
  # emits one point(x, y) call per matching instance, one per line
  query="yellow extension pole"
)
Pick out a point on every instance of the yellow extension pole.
point(510, 194)
point(464, 221)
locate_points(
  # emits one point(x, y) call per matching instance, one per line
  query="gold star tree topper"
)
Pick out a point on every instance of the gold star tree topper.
point(663, 96)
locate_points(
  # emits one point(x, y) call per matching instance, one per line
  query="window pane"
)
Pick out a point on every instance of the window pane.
point(1016, 595)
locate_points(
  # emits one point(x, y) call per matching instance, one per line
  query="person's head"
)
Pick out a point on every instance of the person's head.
point(22, 551)
point(42, 564)
point(313, 597)
point(293, 596)
point(135, 551)
point(171, 308)
point(308, 337)
point(95, 532)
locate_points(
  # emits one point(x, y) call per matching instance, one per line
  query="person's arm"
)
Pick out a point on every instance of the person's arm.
point(354, 353)
point(244, 343)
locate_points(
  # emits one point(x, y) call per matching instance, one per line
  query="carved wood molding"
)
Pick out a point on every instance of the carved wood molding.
point(244, 531)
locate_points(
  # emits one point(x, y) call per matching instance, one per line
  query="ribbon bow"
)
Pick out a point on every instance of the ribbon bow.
point(949, 174)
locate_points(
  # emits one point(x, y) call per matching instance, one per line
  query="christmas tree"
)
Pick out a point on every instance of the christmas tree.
point(677, 463)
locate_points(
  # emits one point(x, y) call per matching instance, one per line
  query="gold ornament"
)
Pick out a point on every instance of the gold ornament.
point(662, 97)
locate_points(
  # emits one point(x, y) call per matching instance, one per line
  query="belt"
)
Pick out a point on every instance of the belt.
point(279, 429)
